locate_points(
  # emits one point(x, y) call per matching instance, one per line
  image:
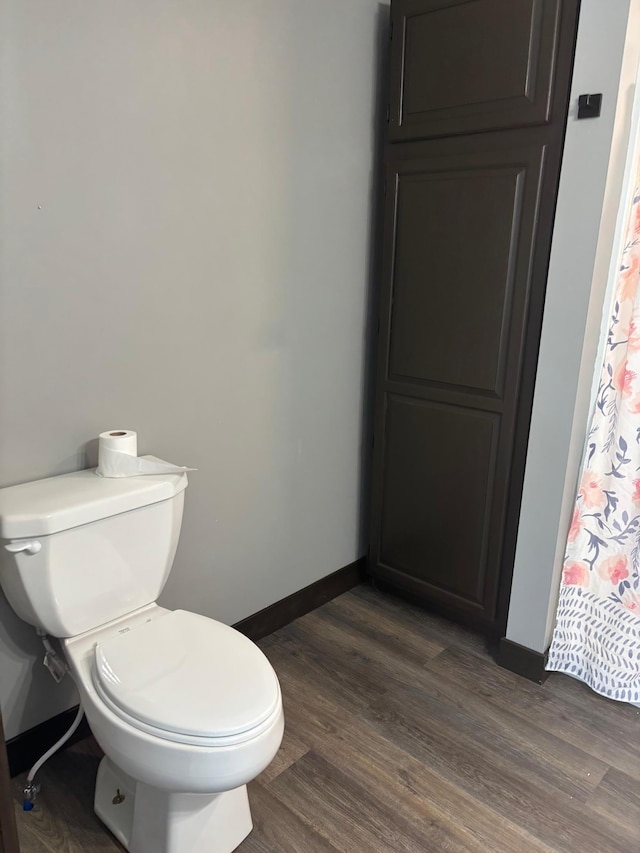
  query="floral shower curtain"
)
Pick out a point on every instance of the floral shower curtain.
point(597, 633)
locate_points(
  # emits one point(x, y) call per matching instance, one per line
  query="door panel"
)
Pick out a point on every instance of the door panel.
point(461, 227)
point(437, 511)
point(462, 66)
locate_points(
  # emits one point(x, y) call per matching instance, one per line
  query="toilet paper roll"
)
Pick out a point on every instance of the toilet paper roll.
point(118, 457)
point(120, 440)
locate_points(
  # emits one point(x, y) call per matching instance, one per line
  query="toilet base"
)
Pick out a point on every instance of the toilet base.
point(148, 820)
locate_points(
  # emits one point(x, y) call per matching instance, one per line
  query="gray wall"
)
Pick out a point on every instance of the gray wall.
point(186, 223)
point(589, 198)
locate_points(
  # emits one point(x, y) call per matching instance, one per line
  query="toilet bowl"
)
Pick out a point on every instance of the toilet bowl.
point(182, 734)
point(186, 709)
point(213, 734)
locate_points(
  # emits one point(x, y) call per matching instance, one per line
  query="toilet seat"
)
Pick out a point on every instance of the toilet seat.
point(187, 678)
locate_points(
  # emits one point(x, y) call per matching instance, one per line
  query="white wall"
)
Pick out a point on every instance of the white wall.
point(591, 179)
point(186, 221)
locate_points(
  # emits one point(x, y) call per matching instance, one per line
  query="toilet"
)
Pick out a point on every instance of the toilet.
point(186, 709)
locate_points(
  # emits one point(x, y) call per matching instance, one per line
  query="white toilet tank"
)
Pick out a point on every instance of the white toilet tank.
point(80, 550)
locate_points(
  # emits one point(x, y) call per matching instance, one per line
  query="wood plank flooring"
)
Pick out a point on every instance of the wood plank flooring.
point(402, 734)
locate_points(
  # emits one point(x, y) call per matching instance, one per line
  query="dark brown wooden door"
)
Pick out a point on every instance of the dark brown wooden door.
point(467, 233)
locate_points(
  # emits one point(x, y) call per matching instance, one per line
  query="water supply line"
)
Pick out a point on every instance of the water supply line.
point(58, 669)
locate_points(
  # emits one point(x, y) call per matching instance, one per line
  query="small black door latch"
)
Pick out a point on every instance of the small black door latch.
point(589, 106)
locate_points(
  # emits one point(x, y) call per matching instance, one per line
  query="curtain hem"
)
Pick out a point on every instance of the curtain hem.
point(596, 641)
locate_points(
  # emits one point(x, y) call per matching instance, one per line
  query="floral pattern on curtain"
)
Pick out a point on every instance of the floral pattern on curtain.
point(597, 633)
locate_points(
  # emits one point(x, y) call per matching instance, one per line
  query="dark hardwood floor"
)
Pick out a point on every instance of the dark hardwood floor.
point(403, 735)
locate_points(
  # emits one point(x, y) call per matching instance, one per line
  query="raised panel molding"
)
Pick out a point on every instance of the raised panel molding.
point(438, 48)
point(462, 226)
point(464, 302)
point(439, 465)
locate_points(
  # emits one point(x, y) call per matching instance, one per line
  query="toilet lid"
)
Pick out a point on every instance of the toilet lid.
point(189, 675)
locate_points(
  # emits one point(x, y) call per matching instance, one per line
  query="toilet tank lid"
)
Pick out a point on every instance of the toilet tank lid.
point(69, 500)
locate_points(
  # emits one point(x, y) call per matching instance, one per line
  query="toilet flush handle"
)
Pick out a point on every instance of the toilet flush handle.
point(31, 546)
